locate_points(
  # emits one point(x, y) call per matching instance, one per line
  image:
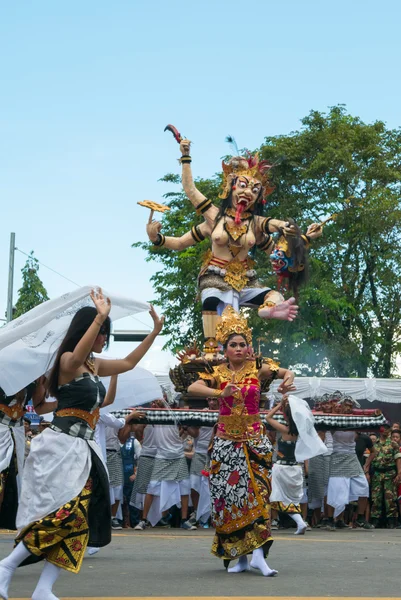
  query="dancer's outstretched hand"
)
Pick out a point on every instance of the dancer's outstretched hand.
point(287, 384)
point(103, 305)
point(158, 322)
point(230, 390)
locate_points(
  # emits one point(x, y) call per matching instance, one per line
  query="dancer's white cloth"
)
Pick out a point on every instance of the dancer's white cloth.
point(287, 484)
point(56, 470)
point(204, 510)
point(7, 449)
point(343, 490)
point(308, 443)
point(28, 345)
point(165, 495)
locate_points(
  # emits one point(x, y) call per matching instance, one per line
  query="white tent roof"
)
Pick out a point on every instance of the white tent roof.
point(383, 390)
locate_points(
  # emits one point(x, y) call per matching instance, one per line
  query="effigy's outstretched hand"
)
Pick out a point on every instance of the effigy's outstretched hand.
point(289, 229)
point(285, 311)
point(153, 228)
point(185, 147)
point(314, 231)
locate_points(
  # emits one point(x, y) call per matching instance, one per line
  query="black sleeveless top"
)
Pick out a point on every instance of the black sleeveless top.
point(286, 452)
point(83, 395)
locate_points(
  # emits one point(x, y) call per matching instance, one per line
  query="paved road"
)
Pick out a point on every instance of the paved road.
point(174, 563)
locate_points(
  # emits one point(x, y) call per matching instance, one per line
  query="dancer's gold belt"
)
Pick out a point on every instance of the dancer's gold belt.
point(240, 427)
point(90, 418)
point(14, 412)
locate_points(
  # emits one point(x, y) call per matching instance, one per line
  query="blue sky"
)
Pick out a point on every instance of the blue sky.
point(87, 88)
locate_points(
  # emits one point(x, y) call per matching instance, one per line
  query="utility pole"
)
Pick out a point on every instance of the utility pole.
point(10, 278)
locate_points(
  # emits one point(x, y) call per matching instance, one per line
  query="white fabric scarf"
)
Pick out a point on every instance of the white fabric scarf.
point(309, 443)
point(29, 344)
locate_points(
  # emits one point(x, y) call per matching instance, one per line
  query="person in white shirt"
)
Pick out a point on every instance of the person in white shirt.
point(168, 476)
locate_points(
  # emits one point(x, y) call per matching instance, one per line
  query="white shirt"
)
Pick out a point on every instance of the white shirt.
point(203, 440)
point(168, 442)
point(106, 421)
point(149, 447)
point(344, 442)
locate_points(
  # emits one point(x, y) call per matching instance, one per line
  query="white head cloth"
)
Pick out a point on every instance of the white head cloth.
point(29, 344)
point(309, 443)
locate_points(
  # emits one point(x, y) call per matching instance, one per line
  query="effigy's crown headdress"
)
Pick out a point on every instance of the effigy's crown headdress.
point(232, 323)
point(246, 166)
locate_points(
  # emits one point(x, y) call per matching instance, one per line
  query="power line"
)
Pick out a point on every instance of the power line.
point(50, 269)
point(70, 280)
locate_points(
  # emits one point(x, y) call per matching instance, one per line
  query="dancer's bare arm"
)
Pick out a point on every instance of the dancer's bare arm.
point(273, 422)
point(111, 392)
point(106, 368)
point(39, 398)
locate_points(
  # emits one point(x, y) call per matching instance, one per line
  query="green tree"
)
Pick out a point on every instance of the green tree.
point(349, 322)
point(32, 291)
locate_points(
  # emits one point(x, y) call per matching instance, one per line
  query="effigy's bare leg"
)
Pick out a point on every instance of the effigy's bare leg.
point(275, 307)
point(210, 319)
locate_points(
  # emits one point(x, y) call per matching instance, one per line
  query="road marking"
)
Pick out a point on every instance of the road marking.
point(284, 538)
point(223, 598)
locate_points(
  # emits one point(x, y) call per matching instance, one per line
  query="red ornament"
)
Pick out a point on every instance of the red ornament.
point(234, 187)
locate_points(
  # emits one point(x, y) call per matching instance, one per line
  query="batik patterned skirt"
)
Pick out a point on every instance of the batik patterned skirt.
point(240, 496)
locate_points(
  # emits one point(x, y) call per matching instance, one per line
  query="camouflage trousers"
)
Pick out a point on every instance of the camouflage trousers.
point(384, 491)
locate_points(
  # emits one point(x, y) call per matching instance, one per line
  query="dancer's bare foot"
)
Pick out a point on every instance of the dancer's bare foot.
point(242, 565)
point(285, 311)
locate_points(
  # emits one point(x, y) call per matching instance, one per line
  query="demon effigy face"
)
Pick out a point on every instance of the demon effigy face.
point(245, 192)
point(280, 260)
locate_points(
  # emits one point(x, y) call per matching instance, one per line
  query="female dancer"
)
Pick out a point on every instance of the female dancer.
point(242, 453)
point(65, 493)
point(12, 449)
point(287, 474)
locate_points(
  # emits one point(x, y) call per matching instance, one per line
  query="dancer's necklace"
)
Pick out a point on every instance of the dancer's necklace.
point(91, 364)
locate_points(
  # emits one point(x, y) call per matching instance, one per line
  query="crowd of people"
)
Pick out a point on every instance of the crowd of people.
point(354, 484)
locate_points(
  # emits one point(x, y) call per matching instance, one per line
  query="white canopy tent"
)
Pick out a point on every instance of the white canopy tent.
point(134, 388)
point(382, 390)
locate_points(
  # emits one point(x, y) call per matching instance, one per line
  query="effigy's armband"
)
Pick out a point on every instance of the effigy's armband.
point(197, 234)
point(203, 206)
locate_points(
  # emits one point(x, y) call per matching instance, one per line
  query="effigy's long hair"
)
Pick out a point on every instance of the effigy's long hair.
point(298, 275)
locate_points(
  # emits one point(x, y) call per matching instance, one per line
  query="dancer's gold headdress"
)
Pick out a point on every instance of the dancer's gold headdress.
point(232, 323)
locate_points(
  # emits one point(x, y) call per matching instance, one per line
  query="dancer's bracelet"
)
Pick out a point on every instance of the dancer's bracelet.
point(185, 158)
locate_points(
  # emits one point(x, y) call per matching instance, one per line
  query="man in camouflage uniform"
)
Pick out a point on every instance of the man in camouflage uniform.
point(385, 461)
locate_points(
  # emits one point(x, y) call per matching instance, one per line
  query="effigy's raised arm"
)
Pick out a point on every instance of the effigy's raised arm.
point(198, 200)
